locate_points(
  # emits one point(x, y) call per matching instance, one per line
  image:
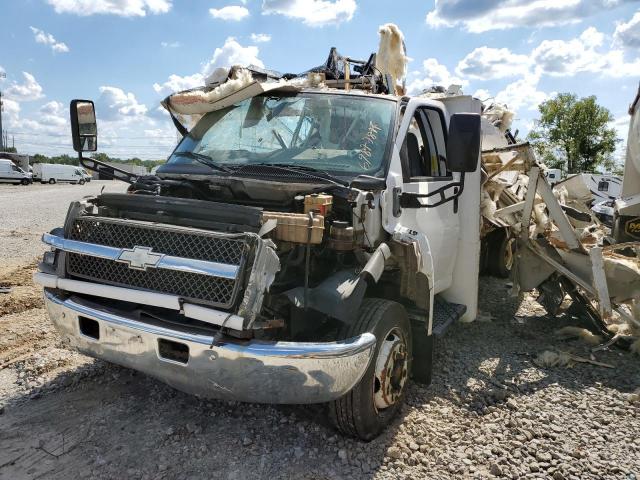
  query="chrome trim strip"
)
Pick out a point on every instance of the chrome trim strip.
point(143, 297)
point(253, 371)
point(167, 262)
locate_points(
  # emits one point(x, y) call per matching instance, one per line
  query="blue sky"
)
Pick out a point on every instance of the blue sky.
point(128, 54)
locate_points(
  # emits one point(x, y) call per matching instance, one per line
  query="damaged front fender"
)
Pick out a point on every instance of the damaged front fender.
point(263, 272)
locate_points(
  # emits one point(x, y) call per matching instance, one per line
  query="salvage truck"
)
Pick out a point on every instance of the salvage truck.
point(303, 245)
point(306, 242)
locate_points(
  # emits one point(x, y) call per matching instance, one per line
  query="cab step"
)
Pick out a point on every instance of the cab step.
point(445, 314)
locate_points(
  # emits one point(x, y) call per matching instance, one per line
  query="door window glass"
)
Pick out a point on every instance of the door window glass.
point(424, 149)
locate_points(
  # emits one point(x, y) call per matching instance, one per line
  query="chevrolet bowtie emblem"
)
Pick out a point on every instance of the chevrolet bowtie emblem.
point(139, 258)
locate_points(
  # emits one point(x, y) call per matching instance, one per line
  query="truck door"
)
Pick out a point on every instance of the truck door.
point(423, 159)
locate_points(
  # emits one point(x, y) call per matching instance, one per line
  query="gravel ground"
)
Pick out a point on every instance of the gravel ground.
point(490, 412)
point(26, 212)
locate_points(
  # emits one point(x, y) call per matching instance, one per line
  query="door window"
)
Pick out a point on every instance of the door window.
point(424, 149)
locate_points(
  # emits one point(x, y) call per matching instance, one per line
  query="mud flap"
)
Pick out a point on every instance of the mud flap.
point(445, 314)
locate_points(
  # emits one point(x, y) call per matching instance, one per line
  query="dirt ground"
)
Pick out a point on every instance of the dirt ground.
point(490, 412)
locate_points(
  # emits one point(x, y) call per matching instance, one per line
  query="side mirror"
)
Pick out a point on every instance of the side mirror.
point(83, 126)
point(463, 143)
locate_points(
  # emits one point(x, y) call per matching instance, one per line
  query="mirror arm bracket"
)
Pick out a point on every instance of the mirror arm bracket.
point(412, 200)
point(93, 166)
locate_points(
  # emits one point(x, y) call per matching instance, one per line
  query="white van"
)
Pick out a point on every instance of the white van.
point(10, 173)
point(54, 173)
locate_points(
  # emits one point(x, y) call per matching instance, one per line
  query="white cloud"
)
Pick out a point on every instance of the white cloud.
point(557, 58)
point(10, 109)
point(232, 53)
point(570, 57)
point(115, 104)
point(51, 119)
point(260, 37)
point(52, 108)
point(40, 36)
point(522, 94)
point(170, 44)
point(482, 94)
point(233, 13)
point(314, 13)
point(489, 63)
point(53, 113)
point(124, 8)
point(176, 83)
point(481, 16)
point(628, 34)
point(27, 91)
point(432, 73)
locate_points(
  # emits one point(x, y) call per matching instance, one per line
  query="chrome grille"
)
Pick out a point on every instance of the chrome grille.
point(195, 287)
point(197, 245)
point(192, 286)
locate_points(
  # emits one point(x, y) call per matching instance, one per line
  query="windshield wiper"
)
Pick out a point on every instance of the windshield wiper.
point(308, 171)
point(204, 159)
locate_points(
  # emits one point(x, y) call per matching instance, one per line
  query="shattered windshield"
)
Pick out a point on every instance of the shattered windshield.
point(343, 134)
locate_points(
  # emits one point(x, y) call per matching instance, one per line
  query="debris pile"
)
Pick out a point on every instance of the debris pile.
point(384, 72)
point(561, 239)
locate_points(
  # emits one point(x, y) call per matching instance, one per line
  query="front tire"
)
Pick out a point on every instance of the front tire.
point(25, 181)
point(373, 402)
point(81, 182)
point(52, 181)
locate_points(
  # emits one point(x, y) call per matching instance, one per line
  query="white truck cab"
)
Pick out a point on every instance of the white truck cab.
point(11, 173)
point(304, 245)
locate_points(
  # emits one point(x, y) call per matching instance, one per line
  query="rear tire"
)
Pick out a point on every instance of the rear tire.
point(374, 402)
point(501, 254)
point(52, 181)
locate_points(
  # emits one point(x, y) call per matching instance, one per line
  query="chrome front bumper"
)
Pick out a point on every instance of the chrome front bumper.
point(254, 371)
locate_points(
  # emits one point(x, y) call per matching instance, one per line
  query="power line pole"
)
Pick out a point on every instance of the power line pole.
point(1, 131)
point(2, 75)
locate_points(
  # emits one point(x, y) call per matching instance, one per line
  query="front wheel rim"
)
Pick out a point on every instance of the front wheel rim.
point(391, 370)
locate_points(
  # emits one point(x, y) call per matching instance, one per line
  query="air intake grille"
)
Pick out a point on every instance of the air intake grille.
point(195, 287)
point(218, 292)
point(199, 246)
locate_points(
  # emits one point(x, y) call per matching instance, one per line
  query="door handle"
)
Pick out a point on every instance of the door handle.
point(396, 201)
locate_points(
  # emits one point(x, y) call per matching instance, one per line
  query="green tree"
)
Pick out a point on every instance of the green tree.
point(574, 134)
